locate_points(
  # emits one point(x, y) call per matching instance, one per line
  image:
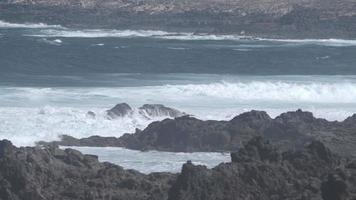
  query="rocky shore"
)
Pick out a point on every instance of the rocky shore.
point(290, 130)
point(272, 19)
point(257, 171)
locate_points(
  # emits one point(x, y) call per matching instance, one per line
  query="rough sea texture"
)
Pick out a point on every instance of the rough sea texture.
point(51, 76)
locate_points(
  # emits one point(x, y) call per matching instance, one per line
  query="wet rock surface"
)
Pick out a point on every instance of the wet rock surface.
point(120, 110)
point(157, 110)
point(51, 173)
point(291, 130)
point(261, 171)
point(148, 111)
point(258, 170)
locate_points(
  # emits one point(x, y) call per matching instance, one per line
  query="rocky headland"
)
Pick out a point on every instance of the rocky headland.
point(290, 130)
point(257, 170)
point(261, 18)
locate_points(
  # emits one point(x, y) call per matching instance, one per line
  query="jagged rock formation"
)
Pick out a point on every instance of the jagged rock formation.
point(120, 110)
point(147, 110)
point(278, 18)
point(291, 130)
point(33, 173)
point(260, 171)
point(157, 110)
point(257, 171)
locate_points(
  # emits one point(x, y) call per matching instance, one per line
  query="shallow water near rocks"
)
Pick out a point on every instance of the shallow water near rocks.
point(153, 161)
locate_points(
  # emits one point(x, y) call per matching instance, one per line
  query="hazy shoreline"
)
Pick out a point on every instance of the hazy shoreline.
point(257, 19)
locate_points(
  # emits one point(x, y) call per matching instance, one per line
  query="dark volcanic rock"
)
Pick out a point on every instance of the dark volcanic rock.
point(291, 130)
point(260, 171)
point(147, 111)
point(157, 110)
point(40, 174)
point(180, 134)
point(91, 114)
point(120, 110)
point(92, 141)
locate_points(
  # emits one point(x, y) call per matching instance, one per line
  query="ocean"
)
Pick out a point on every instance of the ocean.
point(51, 76)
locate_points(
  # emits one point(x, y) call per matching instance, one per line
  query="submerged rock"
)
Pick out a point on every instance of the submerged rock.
point(147, 111)
point(91, 114)
point(120, 110)
point(158, 110)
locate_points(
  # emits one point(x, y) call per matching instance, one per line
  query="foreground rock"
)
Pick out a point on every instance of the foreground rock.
point(291, 130)
point(257, 171)
point(52, 173)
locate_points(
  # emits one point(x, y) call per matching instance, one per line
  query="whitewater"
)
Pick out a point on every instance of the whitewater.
point(51, 76)
point(32, 114)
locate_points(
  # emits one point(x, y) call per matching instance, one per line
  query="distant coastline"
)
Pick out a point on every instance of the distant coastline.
point(255, 19)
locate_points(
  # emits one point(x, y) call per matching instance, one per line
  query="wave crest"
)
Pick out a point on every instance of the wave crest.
point(272, 91)
point(4, 24)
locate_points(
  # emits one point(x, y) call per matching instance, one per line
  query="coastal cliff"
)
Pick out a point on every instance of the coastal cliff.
point(266, 18)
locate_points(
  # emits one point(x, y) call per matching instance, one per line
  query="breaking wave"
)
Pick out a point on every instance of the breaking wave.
point(242, 91)
point(25, 126)
point(272, 91)
point(45, 30)
point(4, 24)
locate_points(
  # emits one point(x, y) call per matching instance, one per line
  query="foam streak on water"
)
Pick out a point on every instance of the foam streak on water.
point(102, 33)
point(4, 24)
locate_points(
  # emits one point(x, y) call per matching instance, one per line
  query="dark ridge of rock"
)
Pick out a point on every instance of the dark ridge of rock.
point(350, 121)
point(291, 130)
point(157, 110)
point(180, 134)
point(92, 141)
point(120, 110)
point(257, 149)
point(33, 173)
point(260, 171)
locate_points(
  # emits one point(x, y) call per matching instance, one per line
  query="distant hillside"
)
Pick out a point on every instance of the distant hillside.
point(267, 18)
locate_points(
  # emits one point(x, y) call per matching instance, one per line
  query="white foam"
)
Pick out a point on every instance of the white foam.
point(271, 91)
point(323, 42)
point(56, 42)
point(25, 126)
point(97, 33)
point(24, 118)
point(4, 24)
point(103, 33)
point(238, 91)
point(152, 161)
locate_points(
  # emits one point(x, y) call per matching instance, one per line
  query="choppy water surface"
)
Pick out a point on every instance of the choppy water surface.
point(50, 76)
